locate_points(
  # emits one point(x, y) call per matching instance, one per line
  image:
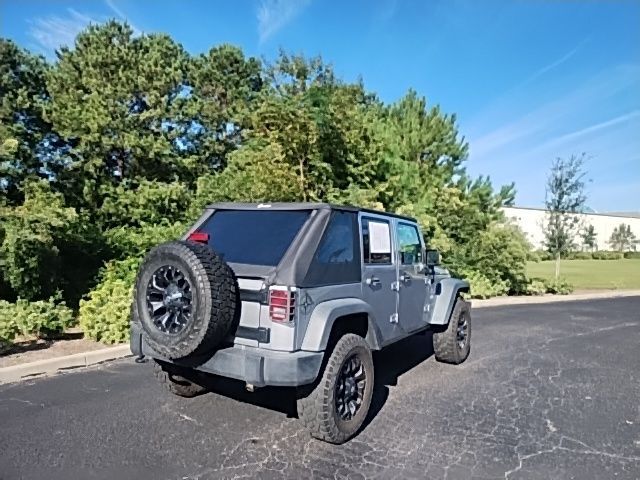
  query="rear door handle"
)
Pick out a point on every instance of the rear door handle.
point(373, 281)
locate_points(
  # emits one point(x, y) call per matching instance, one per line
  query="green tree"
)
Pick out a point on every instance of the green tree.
point(119, 144)
point(564, 200)
point(223, 86)
point(118, 100)
point(589, 238)
point(27, 142)
point(623, 239)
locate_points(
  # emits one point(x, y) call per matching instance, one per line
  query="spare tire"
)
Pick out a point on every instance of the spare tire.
point(185, 299)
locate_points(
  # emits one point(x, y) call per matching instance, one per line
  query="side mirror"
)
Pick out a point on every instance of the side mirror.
point(433, 258)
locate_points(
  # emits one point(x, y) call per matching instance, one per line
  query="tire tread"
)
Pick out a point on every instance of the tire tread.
point(445, 346)
point(316, 409)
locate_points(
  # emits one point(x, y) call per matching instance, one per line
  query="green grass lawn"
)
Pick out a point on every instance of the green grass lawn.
point(592, 274)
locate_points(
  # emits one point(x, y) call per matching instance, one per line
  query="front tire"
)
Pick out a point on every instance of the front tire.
point(453, 343)
point(337, 406)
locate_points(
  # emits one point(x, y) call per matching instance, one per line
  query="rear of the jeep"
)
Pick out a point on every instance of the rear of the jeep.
point(268, 250)
point(259, 293)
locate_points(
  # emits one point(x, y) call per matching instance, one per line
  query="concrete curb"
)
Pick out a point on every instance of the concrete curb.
point(50, 366)
point(500, 301)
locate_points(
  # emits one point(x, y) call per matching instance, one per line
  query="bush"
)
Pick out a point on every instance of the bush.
point(42, 319)
point(482, 287)
point(559, 286)
point(500, 253)
point(127, 242)
point(32, 236)
point(104, 314)
point(534, 256)
point(535, 286)
point(580, 256)
point(632, 255)
point(9, 328)
point(148, 202)
point(603, 255)
point(543, 255)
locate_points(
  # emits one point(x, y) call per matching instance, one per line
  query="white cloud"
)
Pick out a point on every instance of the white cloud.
point(592, 129)
point(547, 68)
point(275, 14)
point(54, 31)
point(570, 105)
point(599, 116)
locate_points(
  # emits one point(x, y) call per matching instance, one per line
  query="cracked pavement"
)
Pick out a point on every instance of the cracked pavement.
point(549, 391)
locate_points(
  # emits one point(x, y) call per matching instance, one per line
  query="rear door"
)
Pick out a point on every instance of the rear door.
point(412, 279)
point(379, 273)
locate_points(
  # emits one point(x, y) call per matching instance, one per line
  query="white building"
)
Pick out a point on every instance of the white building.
point(531, 221)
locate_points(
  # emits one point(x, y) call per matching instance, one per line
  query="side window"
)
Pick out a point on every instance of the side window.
point(376, 241)
point(409, 244)
point(337, 258)
point(337, 242)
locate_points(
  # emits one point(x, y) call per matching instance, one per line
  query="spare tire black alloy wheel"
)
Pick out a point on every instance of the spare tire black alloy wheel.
point(169, 299)
point(185, 300)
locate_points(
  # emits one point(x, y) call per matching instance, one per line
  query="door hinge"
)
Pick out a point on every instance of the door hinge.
point(393, 318)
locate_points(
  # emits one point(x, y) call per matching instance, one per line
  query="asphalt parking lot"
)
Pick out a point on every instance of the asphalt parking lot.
point(549, 391)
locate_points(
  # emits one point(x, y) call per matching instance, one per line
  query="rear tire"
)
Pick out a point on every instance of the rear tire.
point(452, 343)
point(337, 406)
point(171, 379)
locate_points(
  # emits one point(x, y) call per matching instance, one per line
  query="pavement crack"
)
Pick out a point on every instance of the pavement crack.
point(189, 419)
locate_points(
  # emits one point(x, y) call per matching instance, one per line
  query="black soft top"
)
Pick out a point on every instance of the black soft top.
point(301, 206)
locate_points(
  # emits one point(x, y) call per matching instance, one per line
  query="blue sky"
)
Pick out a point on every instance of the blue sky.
point(528, 80)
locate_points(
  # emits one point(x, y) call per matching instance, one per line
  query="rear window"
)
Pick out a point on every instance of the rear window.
point(258, 237)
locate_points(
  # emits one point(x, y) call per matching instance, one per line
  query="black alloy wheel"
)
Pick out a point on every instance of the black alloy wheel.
point(350, 387)
point(169, 299)
point(461, 330)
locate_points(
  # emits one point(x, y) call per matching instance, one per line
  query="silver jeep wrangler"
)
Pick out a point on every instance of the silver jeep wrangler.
point(295, 294)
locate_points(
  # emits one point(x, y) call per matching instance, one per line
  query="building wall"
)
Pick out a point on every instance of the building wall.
point(531, 221)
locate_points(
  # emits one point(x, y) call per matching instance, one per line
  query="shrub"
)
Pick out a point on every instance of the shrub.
point(127, 242)
point(32, 235)
point(149, 202)
point(559, 286)
point(104, 313)
point(42, 319)
point(604, 255)
point(632, 255)
point(535, 286)
point(500, 253)
point(8, 326)
point(544, 255)
point(534, 256)
point(482, 287)
point(580, 256)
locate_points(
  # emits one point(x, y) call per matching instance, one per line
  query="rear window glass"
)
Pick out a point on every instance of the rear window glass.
point(253, 237)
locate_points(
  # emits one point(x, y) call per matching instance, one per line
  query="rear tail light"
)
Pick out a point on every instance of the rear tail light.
point(198, 237)
point(282, 304)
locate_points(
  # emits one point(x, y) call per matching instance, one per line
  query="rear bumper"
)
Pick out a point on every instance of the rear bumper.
point(257, 366)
